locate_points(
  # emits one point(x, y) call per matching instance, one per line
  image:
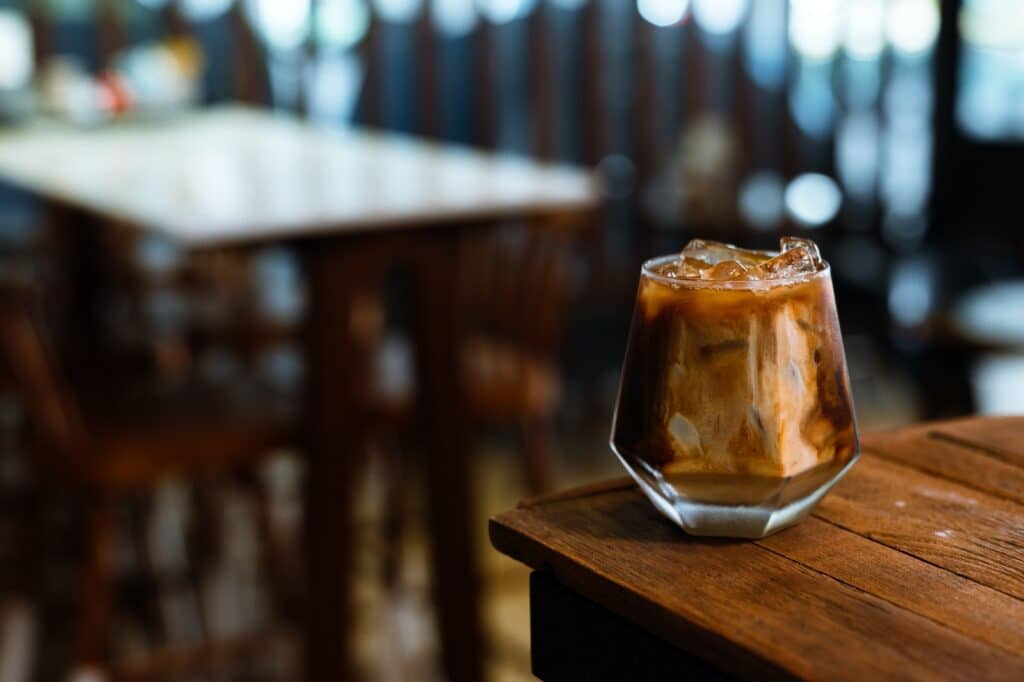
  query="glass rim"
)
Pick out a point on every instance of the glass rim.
point(646, 270)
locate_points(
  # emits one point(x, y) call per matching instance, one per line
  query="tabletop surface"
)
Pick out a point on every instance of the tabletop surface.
point(913, 566)
point(231, 174)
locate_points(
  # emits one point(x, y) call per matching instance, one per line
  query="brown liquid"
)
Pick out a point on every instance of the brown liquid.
point(736, 395)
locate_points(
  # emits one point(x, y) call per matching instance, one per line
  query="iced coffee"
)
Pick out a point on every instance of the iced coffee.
point(734, 411)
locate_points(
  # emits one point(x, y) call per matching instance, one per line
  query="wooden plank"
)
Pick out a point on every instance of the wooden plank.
point(961, 604)
point(962, 530)
point(739, 606)
point(924, 448)
point(1001, 438)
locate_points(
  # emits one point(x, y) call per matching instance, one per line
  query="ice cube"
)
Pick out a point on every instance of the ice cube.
point(716, 261)
point(712, 253)
point(691, 268)
point(727, 270)
point(790, 243)
point(684, 436)
point(798, 260)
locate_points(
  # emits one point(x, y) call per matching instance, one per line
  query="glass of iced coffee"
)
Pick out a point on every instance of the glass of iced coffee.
point(734, 412)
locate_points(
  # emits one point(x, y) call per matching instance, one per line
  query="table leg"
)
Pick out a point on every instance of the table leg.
point(436, 322)
point(336, 272)
point(334, 276)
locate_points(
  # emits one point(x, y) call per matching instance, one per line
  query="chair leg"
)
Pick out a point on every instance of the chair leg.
point(95, 592)
point(537, 438)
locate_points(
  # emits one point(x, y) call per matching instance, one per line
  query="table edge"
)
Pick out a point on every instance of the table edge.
point(721, 652)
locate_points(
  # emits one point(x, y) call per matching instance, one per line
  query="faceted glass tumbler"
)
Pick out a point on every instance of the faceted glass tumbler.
point(734, 412)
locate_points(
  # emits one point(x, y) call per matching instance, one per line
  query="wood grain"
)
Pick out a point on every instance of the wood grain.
point(967, 607)
point(935, 453)
point(1000, 438)
point(949, 525)
point(705, 595)
point(912, 567)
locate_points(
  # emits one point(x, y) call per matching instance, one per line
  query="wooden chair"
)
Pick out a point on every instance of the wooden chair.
point(107, 452)
point(517, 284)
point(514, 289)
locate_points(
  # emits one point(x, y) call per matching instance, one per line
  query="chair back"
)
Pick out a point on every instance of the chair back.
point(33, 365)
point(515, 285)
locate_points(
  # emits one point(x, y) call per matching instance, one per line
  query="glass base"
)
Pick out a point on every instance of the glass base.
point(735, 506)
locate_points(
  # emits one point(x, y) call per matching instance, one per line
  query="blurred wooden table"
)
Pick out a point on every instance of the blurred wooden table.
point(911, 568)
point(356, 203)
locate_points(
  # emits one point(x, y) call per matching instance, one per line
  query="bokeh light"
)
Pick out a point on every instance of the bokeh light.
point(454, 18)
point(813, 199)
point(569, 5)
point(663, 12)
point(990, 98)
point(283, 24)
point(993, 314)
point(908, 97)
point(341, 24)
point(998, 383)
point(764, 38)
point(719, 17)
point(864, 29)
point(861, 83)
point(857, 154)
point(333, 83)
point(204, 10)
point(15, 50)
point(761, 200)
point(911, 292)
point(814, 27)
point(912, 26)
point(812, 101)
point(994, 24)
point(984, 110)
point(504, 11)
point(905, 170)
point(398, 11)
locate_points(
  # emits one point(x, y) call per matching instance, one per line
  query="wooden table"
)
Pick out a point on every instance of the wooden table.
point(356, 203)
point(911, 568)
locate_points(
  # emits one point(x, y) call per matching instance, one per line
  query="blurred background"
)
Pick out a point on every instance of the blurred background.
point(889, 131)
